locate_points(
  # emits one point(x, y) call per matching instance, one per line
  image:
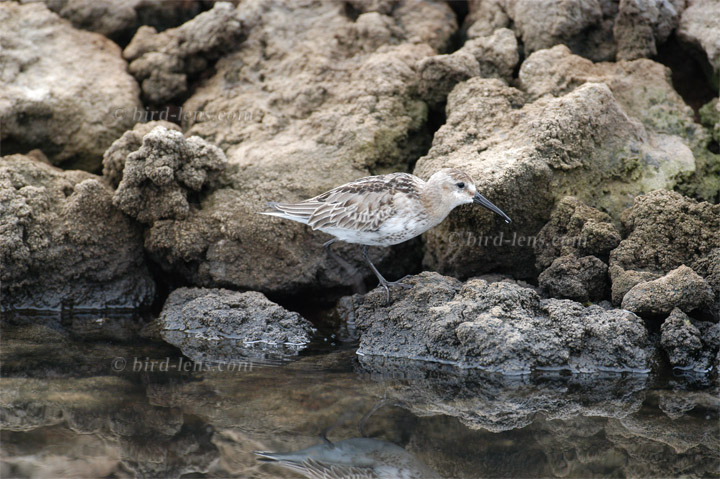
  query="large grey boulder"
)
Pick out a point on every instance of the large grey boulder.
point(218, 325)
point(62, 90)
point(64, 244)
point(601, 132)
point(500, 327)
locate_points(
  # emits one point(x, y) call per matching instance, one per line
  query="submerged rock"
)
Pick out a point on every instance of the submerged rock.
point(666, 230)
point(500, 327)
point(64, 244)
point(218, 325)
point(681, 288)
point(691, 345)
point(62, 90)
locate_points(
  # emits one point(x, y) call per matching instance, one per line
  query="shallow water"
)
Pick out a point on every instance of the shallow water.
point(99, 403)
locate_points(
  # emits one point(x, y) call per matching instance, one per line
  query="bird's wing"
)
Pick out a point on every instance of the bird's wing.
point(362, 205)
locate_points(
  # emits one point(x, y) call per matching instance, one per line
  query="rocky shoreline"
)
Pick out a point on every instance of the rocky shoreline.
point(565, 119)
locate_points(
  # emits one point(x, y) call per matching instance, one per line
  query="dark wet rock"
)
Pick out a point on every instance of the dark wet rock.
point(158, 176)
point(500, 327)
point(680, 288)
point(492, 56)
point(690, 345)
point(161, 62)
point(114, 157)
point(664, 231)
point(580, 279)
point(315, 105)
point(577, 230)
point(699, 26)
point(64, 244)
point(602, 132)
point(221, 325)
point(596, 29)
point(62, 90)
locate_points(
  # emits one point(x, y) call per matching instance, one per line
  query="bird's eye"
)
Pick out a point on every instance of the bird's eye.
point(461, 185)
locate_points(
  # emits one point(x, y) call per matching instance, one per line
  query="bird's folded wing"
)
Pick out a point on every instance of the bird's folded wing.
point(353, 209)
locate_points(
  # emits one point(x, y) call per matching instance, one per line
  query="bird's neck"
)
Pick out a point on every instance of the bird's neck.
point(435, 202)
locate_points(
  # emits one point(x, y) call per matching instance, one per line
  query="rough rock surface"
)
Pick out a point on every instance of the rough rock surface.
point(116, 19)
point(157, 177)
point(62, 90)
point(664, 231)
point(64, 244)
point(500, 327)
point(161, 62)
point(597, 29)
point(699, 26)
point(323, 99)
point(645, 91)
point(602, 132)
point(580, 279)
point(690, 345)
point(114, 157)
point(681, 288)
point(222, 325)
point(575, 229)
point(492, 56)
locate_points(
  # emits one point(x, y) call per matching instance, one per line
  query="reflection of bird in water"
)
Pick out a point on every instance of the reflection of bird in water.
point(357, 458)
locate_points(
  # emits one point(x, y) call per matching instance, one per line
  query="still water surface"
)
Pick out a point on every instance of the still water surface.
point(99, 405)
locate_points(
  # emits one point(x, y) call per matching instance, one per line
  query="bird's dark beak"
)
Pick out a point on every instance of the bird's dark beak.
point(484, 202)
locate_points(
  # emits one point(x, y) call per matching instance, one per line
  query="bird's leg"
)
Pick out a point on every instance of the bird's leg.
point(383, 282)
point(355, 276)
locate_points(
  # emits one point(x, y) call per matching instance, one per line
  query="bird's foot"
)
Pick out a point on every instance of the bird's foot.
point(387, 284)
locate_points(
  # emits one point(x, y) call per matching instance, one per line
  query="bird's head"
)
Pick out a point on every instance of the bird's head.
point(455, 188)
